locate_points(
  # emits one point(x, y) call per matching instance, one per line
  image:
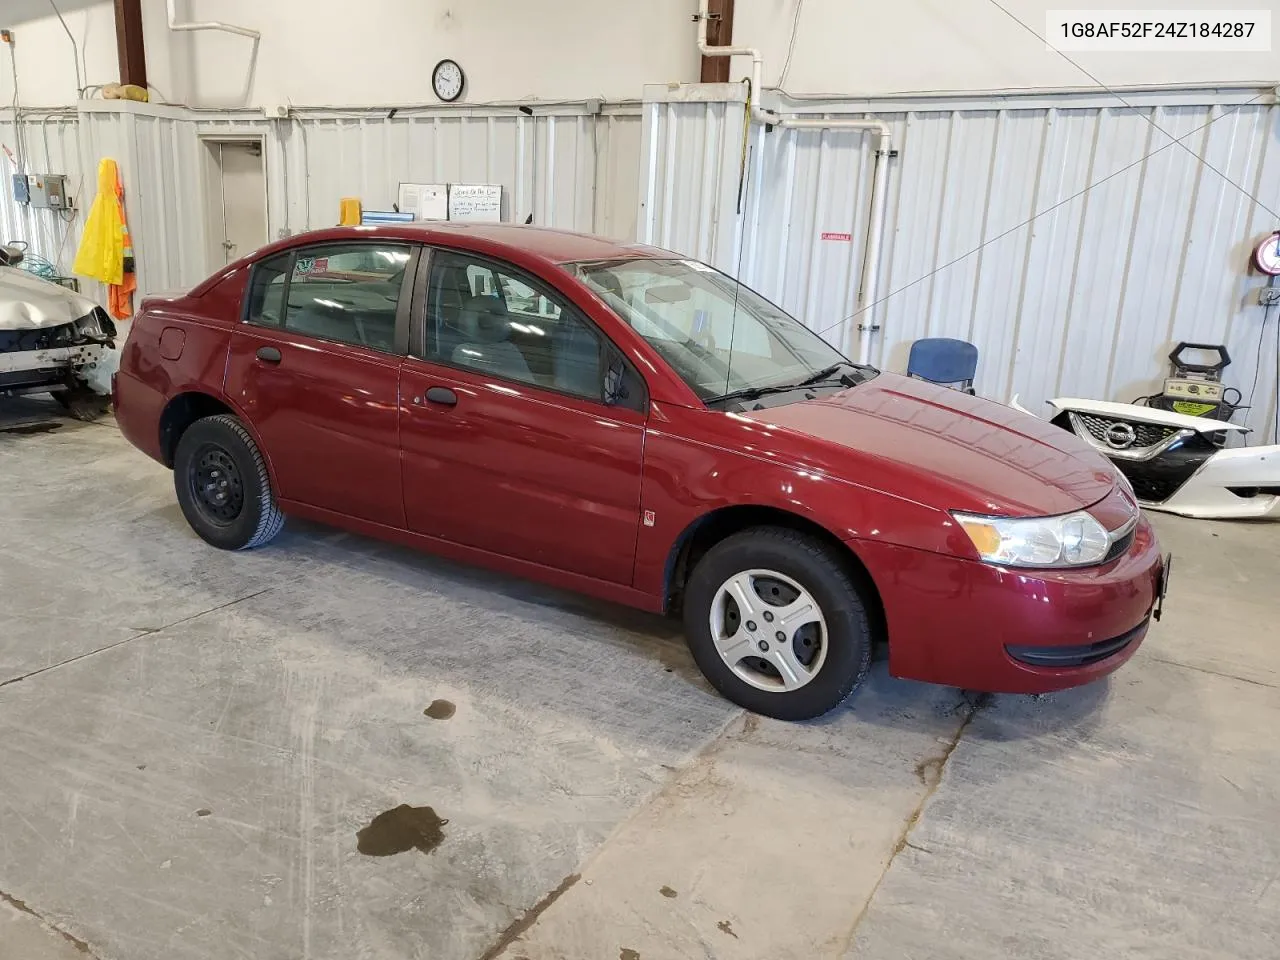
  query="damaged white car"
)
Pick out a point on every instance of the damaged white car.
point(1177, 463)
point(53, 340)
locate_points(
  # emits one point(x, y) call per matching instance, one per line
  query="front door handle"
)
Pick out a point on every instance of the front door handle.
point(268, 354)
point(443, 396)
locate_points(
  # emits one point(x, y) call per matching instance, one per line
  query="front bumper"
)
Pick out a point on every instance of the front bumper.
point(969, 624)
point(54, 368)
point(1238, 483)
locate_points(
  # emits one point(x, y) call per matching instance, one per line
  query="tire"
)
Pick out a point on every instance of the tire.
point(223, 486)
point(82, 403)
point(784, 569)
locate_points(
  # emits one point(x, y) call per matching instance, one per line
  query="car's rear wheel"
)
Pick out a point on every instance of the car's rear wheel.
point(777, 624)
point(223, 486)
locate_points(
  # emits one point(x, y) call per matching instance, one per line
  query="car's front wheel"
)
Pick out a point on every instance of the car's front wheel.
point(776, 623)
point(223, 486)
point(83, 403)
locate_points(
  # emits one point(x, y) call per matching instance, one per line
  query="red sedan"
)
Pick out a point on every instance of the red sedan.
point(628, 423)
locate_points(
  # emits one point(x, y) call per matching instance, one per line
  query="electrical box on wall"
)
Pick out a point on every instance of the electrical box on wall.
point(46, 190)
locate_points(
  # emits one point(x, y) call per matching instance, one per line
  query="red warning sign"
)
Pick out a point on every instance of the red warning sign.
point(845, 237)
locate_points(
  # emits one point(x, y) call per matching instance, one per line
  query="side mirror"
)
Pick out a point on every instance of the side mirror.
point(615, 381)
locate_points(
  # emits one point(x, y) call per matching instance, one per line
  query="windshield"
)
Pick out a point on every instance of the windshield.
point(722, 338)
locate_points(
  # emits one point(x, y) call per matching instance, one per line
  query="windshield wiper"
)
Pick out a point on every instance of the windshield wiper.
point(825, 374)
point(751, 393)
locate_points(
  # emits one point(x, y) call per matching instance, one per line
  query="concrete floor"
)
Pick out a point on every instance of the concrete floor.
point(196, 747)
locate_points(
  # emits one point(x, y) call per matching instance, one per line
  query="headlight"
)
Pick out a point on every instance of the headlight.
point(1071, 540)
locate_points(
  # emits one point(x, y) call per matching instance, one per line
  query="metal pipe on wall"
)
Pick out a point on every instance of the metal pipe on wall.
point(864, 308)
point(757, 63)
point(865, 302)
point(209, 25)
point(221, 27)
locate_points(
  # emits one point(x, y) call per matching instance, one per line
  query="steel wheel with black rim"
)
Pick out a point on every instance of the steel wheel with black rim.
point(217, 489)
point(223, 485)
point(776, 623)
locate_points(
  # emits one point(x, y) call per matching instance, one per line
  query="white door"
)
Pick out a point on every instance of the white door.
point(237, 200)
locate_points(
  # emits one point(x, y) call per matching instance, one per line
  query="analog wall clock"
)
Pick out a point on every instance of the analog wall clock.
point(447, 80)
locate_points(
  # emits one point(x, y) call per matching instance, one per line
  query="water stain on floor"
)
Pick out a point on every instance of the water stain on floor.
point(27, 429)
point(440, 710)
point(724, 926)
point(399, 830)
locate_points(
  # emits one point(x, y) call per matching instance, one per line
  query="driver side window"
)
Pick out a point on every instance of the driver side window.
point(486, 317)
point(347, 293)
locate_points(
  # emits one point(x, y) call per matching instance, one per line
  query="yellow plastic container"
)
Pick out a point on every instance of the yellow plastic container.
point(350, 211)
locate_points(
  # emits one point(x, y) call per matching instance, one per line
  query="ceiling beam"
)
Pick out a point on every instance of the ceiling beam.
point(129, 46)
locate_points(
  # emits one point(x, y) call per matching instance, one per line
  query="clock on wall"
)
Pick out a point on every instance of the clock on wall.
point(447, 80)
point(1266, 257)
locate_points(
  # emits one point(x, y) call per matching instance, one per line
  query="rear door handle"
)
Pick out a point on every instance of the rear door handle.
point(268, 354)
point(443, 396)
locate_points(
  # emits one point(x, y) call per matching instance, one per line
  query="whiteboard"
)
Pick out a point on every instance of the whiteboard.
point(426, 201)
point(475, 202)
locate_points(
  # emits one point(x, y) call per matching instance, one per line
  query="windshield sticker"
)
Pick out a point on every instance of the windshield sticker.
point(700, 267)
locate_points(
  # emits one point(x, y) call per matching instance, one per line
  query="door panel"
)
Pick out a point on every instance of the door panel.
point(327, 417)
point(316, 367)
point(521, 471)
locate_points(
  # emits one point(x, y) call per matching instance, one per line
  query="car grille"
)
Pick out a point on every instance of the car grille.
point(1156, 489)
point(1076, 656)
point(1145, 434)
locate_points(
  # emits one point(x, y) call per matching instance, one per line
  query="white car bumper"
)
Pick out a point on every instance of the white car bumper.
point(1250, 471)
point(28, 371)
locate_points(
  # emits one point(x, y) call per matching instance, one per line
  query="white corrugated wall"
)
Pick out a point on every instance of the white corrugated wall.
point(1086, 298)
point(1069, 238)
point(567, 165)
point(51, 146)
point(555, 166)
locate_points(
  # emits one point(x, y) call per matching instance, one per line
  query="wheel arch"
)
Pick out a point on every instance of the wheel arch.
point(185, 408)
point(716, 525)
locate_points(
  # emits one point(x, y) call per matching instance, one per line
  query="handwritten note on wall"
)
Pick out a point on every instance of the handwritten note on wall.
point(475, 202)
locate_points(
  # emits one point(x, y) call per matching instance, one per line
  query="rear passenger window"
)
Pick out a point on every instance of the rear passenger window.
point(342, 292)
point(266, 291)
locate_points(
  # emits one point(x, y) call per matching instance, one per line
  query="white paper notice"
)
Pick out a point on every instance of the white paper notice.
point(475, 202)
point(426, 201)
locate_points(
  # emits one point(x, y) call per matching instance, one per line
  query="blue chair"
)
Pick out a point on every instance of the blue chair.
point(945, 361)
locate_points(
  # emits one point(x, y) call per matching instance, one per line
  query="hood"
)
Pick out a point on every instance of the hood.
point(29, 303)
point(933, 443)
